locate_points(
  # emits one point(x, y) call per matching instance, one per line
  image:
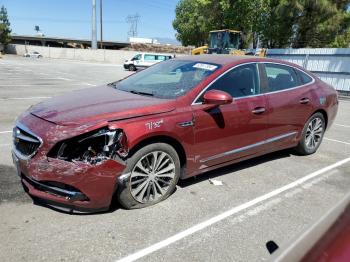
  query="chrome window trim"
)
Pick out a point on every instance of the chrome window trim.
point(292, 88)
point(241, 149)
point(258, 62)
point(223, 74)
point(19, 154)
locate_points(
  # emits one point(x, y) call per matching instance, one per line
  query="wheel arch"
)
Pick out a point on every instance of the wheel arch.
point(324, 113)
point(162, 139)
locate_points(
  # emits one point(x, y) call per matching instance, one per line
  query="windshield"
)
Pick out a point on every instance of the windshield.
point(225, 39)
point(168, 79)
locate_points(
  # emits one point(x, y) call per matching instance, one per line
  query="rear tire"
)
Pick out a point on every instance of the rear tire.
point(312, 135)
point(154, 172)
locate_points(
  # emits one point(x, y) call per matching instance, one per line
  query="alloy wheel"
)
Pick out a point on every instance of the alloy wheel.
point(152, 176)
point(314, 133)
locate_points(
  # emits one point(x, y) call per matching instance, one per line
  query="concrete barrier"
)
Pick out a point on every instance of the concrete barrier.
point(100, 55)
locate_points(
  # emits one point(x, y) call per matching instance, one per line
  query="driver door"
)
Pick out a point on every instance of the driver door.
point(231, 131)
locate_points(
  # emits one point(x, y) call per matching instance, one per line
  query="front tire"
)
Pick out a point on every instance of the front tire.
point(132, 67)
point(154, 171)
point(312, 135)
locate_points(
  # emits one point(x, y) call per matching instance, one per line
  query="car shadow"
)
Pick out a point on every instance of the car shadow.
point(11, 189)
point(236, 167)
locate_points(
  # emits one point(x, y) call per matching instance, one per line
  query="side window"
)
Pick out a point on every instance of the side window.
point(150, 57)
point(304, 78)
point(161, 57)
point(280, 77)
point(239, 82)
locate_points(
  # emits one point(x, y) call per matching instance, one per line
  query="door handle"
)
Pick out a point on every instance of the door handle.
point(304, 100)
point(258, 110)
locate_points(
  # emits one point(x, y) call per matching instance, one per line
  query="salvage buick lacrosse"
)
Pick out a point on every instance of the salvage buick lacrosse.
point(132, 140)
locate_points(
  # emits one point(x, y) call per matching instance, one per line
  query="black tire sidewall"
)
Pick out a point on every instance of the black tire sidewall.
point(132, 67)
point(123, 191)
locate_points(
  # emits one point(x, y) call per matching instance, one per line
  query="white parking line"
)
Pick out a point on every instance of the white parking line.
point(146, 251)
point(89, 84)
point(1, 145)
point(5, 132)
point(25, 98)
point(338, 141)
point(16, 85)
point(342, 125)
point(63, 78)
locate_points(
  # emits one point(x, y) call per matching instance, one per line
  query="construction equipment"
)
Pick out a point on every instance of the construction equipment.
point(227, 41)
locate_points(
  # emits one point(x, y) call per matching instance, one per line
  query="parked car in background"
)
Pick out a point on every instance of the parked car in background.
point(34, 54)
point(144, 60)
point(135, 138)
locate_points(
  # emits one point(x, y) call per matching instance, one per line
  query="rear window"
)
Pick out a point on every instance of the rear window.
point(304, 78)
point(280, 77)
point(161, 57)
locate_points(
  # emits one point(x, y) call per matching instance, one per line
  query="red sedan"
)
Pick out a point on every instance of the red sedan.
point(135, 138)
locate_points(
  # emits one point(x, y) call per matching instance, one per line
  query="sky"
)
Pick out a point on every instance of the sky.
point(72, 18)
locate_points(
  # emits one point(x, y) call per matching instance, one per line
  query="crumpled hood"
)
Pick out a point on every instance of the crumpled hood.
point(96, 104)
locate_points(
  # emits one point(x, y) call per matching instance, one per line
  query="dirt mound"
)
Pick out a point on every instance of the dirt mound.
point(157, 48)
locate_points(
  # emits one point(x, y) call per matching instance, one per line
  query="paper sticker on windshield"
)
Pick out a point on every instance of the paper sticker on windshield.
point(205, 66)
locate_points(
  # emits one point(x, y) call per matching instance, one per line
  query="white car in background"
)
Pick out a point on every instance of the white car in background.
point(34, 54)
point(143, 60)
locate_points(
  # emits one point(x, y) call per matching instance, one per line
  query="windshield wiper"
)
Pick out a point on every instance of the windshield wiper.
point(114, 84)
point(141, 93)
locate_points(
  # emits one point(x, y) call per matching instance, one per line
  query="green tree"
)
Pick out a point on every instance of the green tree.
point(304, 23)
point(195, 18)
point(317, 23)
point(276, 23)
point(5, 31)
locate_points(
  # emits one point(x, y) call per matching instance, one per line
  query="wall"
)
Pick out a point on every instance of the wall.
point(332, 65)
point(101, 55)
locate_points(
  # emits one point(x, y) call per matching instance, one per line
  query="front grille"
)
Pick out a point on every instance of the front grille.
point(25, 142)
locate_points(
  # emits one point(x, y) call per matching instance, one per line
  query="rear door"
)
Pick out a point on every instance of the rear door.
point(289, 103)
point(235, 130)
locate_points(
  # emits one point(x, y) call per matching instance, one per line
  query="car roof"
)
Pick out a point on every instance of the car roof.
point(222, 59)
point(151, 53)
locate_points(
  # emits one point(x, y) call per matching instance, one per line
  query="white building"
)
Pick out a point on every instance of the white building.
point(141, 40)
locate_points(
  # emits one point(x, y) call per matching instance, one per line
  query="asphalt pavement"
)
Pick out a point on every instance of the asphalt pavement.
point(274, 197)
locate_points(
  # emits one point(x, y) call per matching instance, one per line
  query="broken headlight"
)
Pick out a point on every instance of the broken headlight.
point(93, 147)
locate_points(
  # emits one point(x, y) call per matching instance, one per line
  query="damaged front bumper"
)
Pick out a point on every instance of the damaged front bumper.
point(77, 184)
point(74, 186)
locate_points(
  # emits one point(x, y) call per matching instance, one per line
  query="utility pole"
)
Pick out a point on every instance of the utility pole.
point(93, 31)
point(101, 25)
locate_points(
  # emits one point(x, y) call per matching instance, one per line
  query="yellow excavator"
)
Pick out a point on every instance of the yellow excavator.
point(227, 41)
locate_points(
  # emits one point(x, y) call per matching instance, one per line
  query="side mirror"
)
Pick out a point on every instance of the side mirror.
point(217, 98)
